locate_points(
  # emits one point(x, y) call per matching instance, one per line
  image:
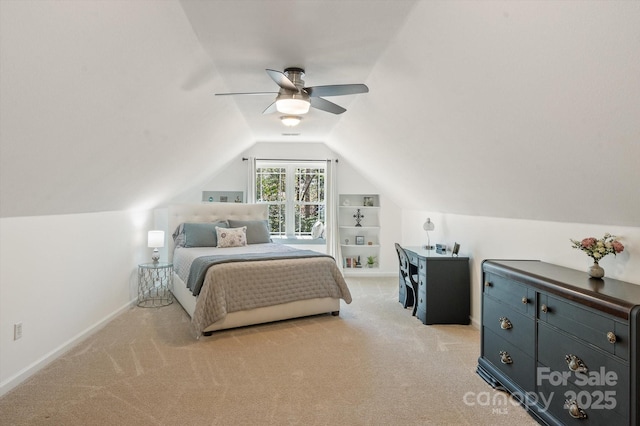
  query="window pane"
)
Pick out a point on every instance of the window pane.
point(309, 185)
point(306, 216)
point(277, 219)
point(270, 184)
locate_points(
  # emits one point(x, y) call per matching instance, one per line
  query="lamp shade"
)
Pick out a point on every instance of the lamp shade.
point(155, 239)
point(428, 225)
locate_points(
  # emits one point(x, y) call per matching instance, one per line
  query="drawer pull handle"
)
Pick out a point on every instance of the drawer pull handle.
point(525, 300)
point(611, 337)
point(574, 410)
point(544, 308)
point(487, 284)
point(505, 324)
point(505, 358)
point(576, 364)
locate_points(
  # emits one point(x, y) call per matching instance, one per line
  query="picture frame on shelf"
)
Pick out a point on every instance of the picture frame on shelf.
point(368, 202)
point(359, 240)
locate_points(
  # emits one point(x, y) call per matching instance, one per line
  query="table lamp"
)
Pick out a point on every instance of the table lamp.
point(155, 240)
point(428, 226)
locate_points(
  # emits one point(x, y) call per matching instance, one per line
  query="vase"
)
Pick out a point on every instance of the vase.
point(596, 271)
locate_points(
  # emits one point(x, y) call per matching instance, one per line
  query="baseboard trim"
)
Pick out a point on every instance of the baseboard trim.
point(18, 378)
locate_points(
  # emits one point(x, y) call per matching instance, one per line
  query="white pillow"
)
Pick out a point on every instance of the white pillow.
point(317, 230)
point(231, 237)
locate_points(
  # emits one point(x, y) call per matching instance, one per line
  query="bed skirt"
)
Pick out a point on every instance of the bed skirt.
point(261, 315)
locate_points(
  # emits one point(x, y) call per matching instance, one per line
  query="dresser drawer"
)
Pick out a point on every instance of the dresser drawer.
point(508, 358)
point(604, 372)
point(520, 297)
point(597, 405)
point(586, 324)
point(509, 324)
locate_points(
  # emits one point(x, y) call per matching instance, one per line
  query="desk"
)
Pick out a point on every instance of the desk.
point(444, 290)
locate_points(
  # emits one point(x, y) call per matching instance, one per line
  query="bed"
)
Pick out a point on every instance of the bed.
point(240, 285)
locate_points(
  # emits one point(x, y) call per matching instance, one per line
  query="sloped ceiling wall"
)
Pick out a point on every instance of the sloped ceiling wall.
point(508, 109)
point(103, 107)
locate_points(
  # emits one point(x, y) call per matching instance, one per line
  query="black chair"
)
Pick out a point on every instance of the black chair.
point(410, 281)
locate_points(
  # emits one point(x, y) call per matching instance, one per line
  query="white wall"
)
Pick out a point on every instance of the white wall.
point(496, 238)
point(63, 277)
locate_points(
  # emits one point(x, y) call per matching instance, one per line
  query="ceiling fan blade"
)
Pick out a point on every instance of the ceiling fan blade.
point(270, 109)
point(325, 105)
point(281, 80)
point(336, 90)
point(247, 93)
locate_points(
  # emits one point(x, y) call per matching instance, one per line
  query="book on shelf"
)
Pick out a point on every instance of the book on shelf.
point(352, 262)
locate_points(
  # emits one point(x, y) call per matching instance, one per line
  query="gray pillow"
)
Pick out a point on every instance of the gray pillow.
point(257, 230)
point(202, 234)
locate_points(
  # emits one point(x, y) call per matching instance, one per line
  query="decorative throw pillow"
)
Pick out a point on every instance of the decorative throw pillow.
point(201, 234)
point(257, 230)
point(231, 237)
point(317, 231)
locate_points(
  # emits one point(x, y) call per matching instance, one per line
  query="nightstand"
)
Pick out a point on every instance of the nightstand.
point(155, 281)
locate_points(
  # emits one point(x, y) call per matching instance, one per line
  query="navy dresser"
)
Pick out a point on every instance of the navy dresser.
point(565, 345)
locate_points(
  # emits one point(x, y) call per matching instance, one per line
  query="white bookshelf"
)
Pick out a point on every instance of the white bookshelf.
point(359, 242)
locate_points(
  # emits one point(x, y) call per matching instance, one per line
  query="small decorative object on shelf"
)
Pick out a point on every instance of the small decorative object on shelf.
point(358, 217)
point(368, 202)
point(371, 261)
point(597, 249)
point(359, 240)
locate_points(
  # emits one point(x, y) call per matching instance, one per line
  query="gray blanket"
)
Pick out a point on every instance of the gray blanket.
point(201, 265)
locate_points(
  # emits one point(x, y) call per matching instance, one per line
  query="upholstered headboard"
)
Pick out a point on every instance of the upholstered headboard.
point(211, 212)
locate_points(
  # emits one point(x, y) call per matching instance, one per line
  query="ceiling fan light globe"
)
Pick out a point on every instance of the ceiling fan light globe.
point(292, 106)
point(290, 120)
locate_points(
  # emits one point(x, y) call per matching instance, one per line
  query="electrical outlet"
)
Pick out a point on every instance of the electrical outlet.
point(17, 331)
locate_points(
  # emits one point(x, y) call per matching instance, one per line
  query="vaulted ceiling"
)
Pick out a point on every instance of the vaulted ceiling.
point(522, 109)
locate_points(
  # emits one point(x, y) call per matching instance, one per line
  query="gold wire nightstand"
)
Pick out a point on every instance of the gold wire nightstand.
point(155, 281)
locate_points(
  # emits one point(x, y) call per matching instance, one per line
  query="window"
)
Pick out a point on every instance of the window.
point(295, 192)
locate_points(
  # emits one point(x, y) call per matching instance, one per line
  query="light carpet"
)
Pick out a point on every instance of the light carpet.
point(375, 364)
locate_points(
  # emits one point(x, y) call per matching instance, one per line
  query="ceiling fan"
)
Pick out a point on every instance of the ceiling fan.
point(295, 99)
